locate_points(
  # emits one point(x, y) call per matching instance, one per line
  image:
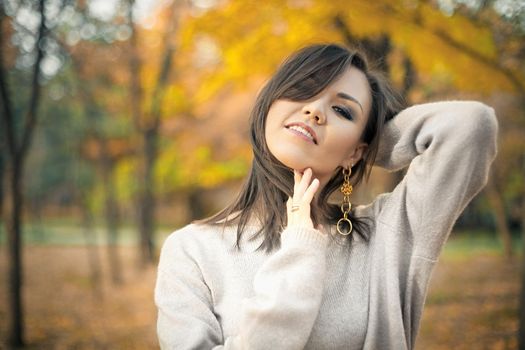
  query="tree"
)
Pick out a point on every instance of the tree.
point(447, 50)
point(102, 147)
point(148, 123)
point(521, 329)
point(18, 143)
point(421, 31)
point(506, 22)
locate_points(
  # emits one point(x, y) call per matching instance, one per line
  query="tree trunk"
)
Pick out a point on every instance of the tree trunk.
point(95, 270)
point(13, 228)
point(34, 206)
point(147, 198)
point(2, 172)
point(498, 210)
point(112, 214)
point(148, 126)
point(521, 329)
point(112, 223)
point(17, 147)
point(196, 205)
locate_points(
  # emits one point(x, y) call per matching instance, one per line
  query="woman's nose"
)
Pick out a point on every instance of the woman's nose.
point(313, 111)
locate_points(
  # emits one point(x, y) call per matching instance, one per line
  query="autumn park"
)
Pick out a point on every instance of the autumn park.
point(123, 120)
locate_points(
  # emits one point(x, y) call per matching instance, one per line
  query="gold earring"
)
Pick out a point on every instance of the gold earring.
point(344, 225)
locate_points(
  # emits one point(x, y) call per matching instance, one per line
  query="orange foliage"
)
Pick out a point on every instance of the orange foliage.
point(115, 148)
point(441, 47)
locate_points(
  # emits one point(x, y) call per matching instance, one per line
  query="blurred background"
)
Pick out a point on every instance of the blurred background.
point(123, 120)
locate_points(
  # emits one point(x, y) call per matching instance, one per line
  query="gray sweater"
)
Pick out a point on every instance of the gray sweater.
point(319, 291)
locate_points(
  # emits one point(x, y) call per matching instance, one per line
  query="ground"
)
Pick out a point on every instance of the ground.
point(472, 303)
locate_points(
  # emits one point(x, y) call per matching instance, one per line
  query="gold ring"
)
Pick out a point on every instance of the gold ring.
point(344, 226)
point(295, 208)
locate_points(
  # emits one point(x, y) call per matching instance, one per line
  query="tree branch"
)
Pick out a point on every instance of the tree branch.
point(5, 99)
point(30, 120)
point(511, 76)
point(164, 72)
point(135, 68)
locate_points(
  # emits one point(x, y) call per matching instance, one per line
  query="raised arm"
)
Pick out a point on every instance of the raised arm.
point(448, 147)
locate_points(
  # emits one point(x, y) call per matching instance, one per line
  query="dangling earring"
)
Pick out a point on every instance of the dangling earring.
point(344, 225)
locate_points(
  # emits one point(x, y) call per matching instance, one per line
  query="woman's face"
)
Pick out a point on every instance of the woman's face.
point(323, 132)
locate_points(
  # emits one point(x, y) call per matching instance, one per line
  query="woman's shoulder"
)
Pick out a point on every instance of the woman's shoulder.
point(192, 232)
point(199, 236)
point(190, 237)
point(206, 243)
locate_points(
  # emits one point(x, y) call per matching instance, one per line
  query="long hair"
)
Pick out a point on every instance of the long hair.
point(269, 183)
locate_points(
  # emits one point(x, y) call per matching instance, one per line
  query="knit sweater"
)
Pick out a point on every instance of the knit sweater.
point(319, 291)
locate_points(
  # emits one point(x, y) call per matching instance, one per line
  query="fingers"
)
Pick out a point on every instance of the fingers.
point(304, 187)
point(310, 191)
point(299, 206)
point(302, 183)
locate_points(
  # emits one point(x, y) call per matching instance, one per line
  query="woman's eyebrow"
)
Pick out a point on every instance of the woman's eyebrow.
point(348, 97)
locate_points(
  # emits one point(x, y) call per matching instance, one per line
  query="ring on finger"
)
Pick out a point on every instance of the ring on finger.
point(295, 208)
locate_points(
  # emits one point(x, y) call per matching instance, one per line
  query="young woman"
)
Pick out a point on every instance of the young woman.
point(283, 267)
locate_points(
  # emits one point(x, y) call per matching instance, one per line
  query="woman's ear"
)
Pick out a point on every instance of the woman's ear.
point(356, 155)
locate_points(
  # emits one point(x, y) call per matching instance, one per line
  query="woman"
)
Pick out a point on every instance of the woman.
point(282, 267)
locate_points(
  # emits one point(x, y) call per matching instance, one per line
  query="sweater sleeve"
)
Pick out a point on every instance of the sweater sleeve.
point(287, 295)
point(185, 314)
point(448, 147)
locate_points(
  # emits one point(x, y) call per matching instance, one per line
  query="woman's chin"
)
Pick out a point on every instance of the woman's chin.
point(294, 164)
point(301, 166)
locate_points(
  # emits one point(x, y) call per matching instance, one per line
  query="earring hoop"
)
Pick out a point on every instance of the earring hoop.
point(344, 225)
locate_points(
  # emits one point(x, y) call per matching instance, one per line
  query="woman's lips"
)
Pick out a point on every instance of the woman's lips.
point(303, 130)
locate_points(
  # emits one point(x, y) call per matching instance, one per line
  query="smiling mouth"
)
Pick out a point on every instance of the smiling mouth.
point(303, 130)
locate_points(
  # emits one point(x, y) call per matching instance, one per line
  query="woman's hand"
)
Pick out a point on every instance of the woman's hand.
point(298, 207)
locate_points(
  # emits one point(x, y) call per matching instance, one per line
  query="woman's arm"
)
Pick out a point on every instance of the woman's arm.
point(449, 147)
point(184, 302)
point(287, 295)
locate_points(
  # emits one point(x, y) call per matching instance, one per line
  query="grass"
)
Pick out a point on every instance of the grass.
point(68, 233)
point(461, 244)
point(464, 244)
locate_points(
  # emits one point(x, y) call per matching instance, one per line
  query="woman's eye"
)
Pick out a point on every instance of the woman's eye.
point(344, 112)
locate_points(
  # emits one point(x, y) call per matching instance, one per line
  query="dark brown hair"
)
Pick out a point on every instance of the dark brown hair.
point(269, 183)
